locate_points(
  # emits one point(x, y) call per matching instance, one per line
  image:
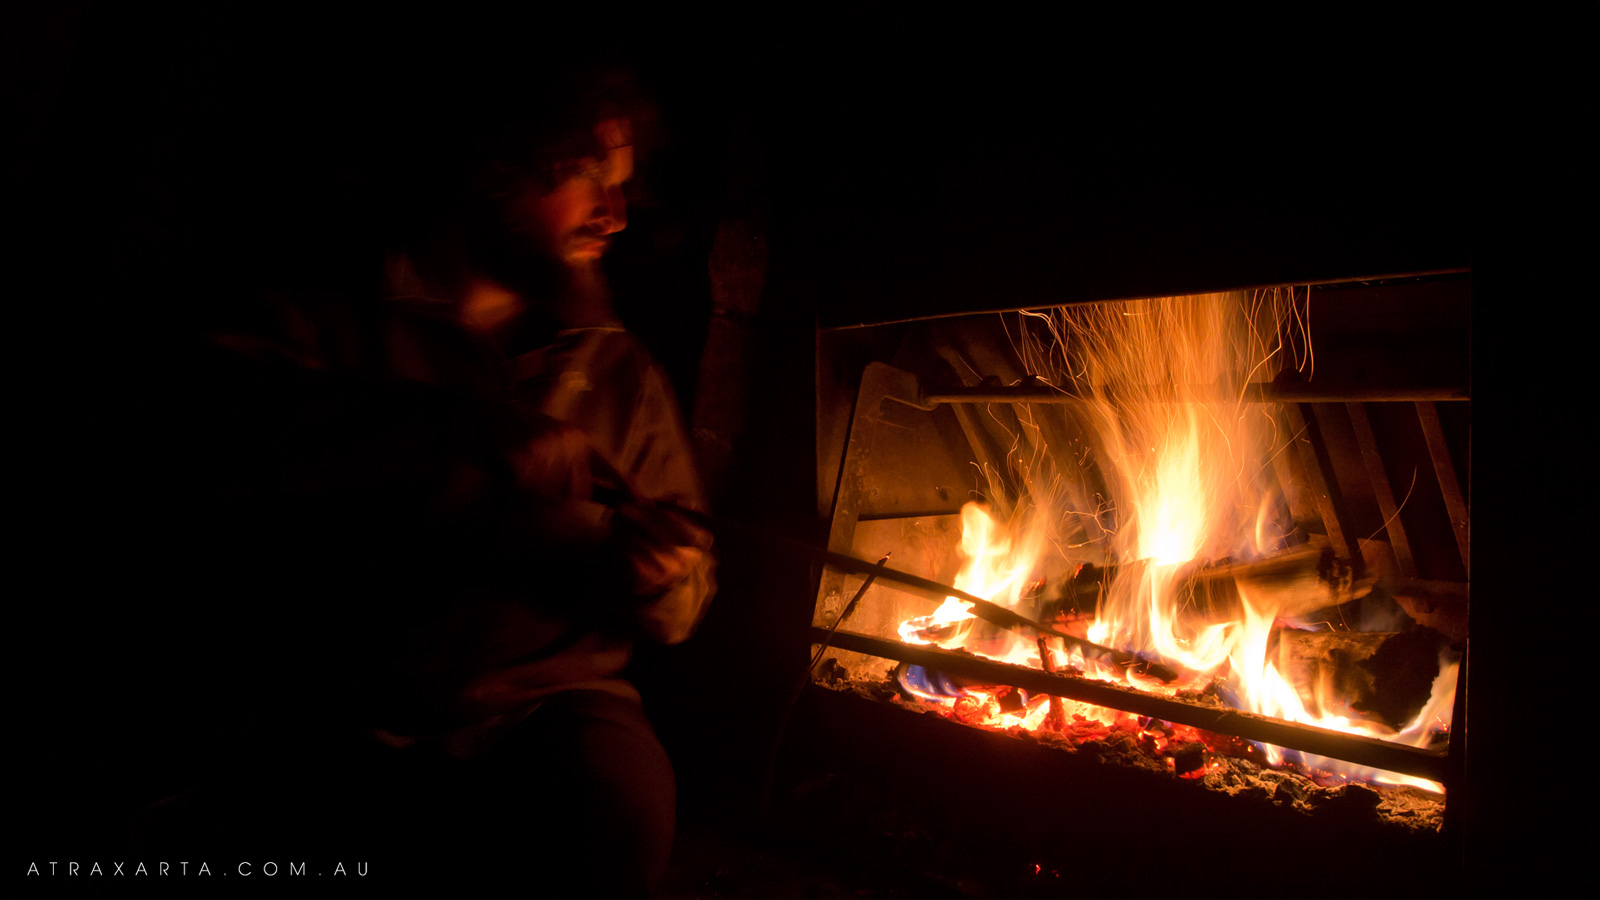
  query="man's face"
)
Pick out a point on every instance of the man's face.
point(573, 222)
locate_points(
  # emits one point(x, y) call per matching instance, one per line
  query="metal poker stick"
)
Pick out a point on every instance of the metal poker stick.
point(844, 614)
point(614, 483)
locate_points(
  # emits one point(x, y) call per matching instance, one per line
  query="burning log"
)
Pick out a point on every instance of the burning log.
point(1294, 582)
point(1387, 676)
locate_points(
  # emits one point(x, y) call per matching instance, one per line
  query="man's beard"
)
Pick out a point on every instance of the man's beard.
point(570, 291)
point(585, 297)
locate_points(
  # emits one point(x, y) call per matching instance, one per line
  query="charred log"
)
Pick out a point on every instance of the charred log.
point(1388, 677)
point(1188, 758)
point(1056, 718)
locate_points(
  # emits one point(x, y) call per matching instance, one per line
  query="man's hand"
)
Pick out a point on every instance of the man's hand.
point(583, 501)
point(555, 462)
point(662, 547)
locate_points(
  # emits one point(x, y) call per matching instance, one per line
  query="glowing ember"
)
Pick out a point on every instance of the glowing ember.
point(1182, 455)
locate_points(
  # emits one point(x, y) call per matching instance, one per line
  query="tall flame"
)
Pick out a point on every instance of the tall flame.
point(999, 561)
point(1162, 380)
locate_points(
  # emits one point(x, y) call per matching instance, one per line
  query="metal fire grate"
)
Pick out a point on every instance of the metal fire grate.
point(1354, 430)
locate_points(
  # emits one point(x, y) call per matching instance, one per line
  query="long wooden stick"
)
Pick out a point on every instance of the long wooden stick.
point(995, 614)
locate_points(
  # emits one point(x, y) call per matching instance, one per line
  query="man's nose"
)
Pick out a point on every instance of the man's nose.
point(611, 210)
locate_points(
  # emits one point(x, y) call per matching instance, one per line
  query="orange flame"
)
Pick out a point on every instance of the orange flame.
point(997, 568)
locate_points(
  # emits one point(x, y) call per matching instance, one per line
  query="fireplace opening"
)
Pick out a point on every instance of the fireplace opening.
point(1214, 544)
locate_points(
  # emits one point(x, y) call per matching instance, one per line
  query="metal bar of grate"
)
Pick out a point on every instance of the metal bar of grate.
point(1372, 461)
point(1455, 502)
point(1253, 393)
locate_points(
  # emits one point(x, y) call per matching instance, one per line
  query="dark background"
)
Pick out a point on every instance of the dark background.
point(897, 164)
